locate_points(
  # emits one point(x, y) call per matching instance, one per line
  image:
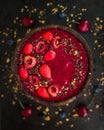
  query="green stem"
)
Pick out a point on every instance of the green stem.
point(21, 104)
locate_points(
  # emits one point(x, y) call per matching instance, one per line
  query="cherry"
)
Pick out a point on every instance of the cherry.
point(84, 26)
point(27, 21)
point(27, 111)
point(83, 111)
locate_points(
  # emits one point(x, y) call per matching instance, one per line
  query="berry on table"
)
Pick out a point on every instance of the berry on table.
point(27, 111)
point(27, 21)
point(84, 26)
point(83, 111)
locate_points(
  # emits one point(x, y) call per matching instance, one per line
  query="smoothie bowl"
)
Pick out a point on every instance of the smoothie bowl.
point(52, 65)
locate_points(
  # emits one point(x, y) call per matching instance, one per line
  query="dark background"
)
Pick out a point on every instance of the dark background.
point(10, 115)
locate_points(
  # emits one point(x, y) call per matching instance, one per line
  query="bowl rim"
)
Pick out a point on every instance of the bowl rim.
point(87, 80)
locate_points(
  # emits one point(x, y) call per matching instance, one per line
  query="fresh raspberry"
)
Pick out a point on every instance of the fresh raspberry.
point(42, 92)
point(28, 48)
point(50, 55)
point(23, 73)
point(48, 36)
point(45, 71)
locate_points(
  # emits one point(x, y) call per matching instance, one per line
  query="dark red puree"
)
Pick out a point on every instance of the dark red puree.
point(52, 64)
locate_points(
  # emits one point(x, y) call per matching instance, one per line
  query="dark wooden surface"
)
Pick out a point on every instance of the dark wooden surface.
point(10, 115)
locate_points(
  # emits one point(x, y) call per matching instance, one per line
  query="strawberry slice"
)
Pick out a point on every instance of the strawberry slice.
point(50, 55)
point(48, 36)
point(53, 90)
point(23, 73)
point(28, 48)
point(29, 62)
point(45, 71)
point(42, 92)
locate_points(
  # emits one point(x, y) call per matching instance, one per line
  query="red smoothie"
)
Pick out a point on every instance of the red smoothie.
point(52, 64)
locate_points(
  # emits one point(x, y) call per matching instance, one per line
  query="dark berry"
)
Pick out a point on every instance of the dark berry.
point(27, 21)
point(27, 112)
point(62, 15)
point(62, 114)
point(83, 111)
point(84, 26)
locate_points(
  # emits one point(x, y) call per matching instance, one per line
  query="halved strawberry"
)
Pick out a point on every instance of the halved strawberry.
point(53, 90)
point(48, 36)
point(28, 48)
point(29, 62)
point(42, 92)
point(50, 55)
point(45, 71)
point(40, 47)
point(23, 73)
point(57, 42)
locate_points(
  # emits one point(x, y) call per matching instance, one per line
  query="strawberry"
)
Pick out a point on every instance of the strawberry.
point(50, 55)
point(29, 62)
point(42, 92)
point(48, 36)
point(53, 90)
point(23, 73)
point(28, 48)
point(45, 71)
point(27, 21)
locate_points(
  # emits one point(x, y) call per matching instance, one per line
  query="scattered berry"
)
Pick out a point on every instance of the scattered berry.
point(27, 21)
point(10, 42)
point(42, 92)
point(97, 90)
point(62, 114)
point(62, 15)
point(45, 71)
point(48, 36)
point(23, 73)
point(50, 55)
point(27, 112)
point(40, 47)
point(84, 26)
point(29, 62)
point(28, 48)
point(83, 111)
point(53, 90)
